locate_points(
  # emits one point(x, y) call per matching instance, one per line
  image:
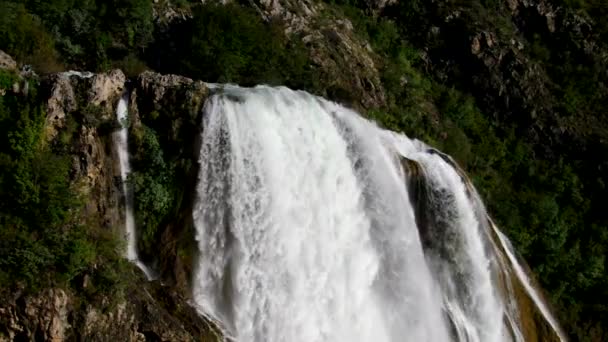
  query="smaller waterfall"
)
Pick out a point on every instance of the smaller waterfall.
point(525, 281)
point(122, 147)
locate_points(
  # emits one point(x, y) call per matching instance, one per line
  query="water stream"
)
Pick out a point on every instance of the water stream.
point(122, 148)
point(307, 230)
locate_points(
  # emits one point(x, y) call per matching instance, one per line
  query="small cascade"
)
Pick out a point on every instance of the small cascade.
point(122, 148)
point(456, 253)
point(527, 284)
point(313, 224)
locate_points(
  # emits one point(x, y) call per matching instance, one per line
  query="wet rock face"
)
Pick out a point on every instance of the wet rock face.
point(435, 232)
point(172, 106)
point(83, 106)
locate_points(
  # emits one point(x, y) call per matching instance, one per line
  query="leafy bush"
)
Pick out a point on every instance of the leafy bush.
point(231, 43)
point(542, 194)
point(26, 39)
point(90, 34)
point(43, 239)
point(7, 79)
point(153, 186)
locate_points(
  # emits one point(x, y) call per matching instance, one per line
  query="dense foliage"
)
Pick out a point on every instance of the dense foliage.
point(83, 34)
point(543, 175)
point(232, 44)
point(154, 186)
point(547, 193)
point(43, 240)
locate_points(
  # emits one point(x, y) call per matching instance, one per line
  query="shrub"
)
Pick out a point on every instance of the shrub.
point(231, 43)
point(42, 239)
point(26, 39)
point(153, 187)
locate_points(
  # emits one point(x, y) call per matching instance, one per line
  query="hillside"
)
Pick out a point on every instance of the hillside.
point(514, 90)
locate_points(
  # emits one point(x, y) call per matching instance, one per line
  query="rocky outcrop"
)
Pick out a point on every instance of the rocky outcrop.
point(332, 44)
point(71, 91)
point(165, 13)
point(151, 313)
point(80, 108)
point(7, 62)
point(542, 8)
point(44, 316)
point(172, 106)
point(494, 61)
point(80, 117)
point(160, 92)
point(380, 4)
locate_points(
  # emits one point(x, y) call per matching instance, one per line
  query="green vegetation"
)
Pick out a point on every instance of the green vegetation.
point(86, 34)
point(546, 196)
point(161, 145)
point(541, 174)
point(232, 44)
point(43, 240)
point(153, 185)
point(220, 44)
point(26, 39)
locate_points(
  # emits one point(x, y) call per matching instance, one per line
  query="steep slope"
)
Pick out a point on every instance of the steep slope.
point(370, 235)
point(100, 297)
point(514, 90)
point(164, 116)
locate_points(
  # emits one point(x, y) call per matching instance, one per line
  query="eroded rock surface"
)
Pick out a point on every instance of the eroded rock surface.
point(80, 110)
point(346, 63)
point(7, 62)
point(149, 313)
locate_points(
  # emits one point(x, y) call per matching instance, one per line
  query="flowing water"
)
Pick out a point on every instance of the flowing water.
point(523, 277)
point(308, 230)
point(122, 148)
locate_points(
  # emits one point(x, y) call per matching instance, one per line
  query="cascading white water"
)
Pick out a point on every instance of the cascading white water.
point(523, 277)
point(460, 262)
point(307, 231)
point(122, 148)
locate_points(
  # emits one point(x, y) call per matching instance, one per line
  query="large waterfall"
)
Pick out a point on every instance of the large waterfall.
point(314, 224)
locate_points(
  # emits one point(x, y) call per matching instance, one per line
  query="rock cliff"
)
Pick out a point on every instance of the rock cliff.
point(151, 313)
point(332, 43)
point(507, 56)
point(83, 105)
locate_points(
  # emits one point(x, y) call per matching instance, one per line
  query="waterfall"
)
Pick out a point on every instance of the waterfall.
point(523, 277)
point(309, 229)
point(122, 148)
